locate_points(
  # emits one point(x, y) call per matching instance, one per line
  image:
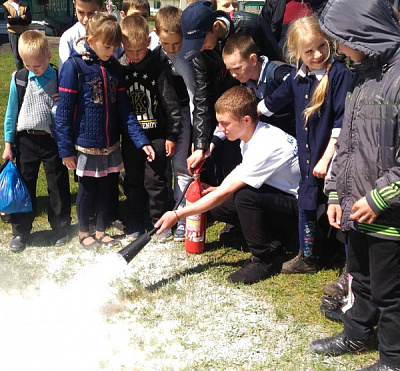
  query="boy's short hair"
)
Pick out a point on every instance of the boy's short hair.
point(128, 4)
point(241, 43)
point(168, 19)
point(33, 43)
point(100, 3)
point(238, 101)
point(135, 29)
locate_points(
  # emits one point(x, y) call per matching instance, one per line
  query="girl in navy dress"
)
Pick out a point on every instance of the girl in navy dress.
point(317, 88)
point(92, 105)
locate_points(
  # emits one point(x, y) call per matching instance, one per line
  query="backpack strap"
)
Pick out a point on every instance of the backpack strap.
point(56, 69)
point(271, 84)
point(21, 81)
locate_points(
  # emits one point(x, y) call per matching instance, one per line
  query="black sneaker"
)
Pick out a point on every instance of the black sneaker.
point(231, 236)
point(300, 264)
point(379, 366)
point(60, 237)
point(333, 314)
point(254, 270)
point(340, 344)
point(18, 243)
point(333, 303)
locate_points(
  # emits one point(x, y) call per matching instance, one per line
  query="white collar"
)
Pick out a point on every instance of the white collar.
point(303, 72)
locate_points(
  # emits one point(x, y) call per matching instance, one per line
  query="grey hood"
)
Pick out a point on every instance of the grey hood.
point(369, 26)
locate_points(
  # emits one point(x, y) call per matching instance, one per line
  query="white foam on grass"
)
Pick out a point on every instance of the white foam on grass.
point(62, 328)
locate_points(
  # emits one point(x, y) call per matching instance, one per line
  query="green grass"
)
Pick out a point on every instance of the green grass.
point(296, 298)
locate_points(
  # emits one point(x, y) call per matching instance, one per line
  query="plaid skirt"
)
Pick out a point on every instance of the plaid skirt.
point(99, 165)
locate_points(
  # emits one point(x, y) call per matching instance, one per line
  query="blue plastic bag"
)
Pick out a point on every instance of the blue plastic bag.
point(14, 195)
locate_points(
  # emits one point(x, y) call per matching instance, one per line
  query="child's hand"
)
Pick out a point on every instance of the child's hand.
point(362, 212)
point(334, 213)
point(169, 148)
point(194, 160)
point(55, 97)
point(8, 153)
point(149, 151)
point(70, 162)
point(207, 189)
point(320, 169)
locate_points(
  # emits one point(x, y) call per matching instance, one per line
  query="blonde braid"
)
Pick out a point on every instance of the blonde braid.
point(318, 97)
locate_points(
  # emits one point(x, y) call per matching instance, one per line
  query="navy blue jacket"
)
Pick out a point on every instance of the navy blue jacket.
point(313, 138)
point(92, 107)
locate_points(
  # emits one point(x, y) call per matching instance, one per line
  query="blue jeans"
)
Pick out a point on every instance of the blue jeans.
point(179, 165)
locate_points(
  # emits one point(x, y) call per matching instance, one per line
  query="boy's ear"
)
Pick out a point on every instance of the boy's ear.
point(148, 41)
point(89, 39)
point(50, 56)
point(253, 59)
point(247, 119)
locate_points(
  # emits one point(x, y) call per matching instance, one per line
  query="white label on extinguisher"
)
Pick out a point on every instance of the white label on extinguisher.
point(193, 228)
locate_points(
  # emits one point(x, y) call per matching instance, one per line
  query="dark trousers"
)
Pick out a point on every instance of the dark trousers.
point(256, 211)
point(93, 193)
point(13, 39)
point(374, 264)
point(145, 183)
point(32, 151)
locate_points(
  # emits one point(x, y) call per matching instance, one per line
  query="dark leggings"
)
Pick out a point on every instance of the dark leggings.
point(93, 192)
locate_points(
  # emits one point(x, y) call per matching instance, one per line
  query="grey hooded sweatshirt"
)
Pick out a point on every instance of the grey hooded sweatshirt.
point(368, 148)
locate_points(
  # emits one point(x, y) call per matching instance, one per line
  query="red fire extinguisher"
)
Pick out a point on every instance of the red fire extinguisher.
point(195, 234)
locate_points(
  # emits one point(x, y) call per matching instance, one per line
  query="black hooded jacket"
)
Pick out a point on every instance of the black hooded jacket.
point(368, 148)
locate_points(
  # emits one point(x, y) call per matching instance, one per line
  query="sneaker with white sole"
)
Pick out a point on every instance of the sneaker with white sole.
point(165, 236)
point(133, 233)
point(179, 235)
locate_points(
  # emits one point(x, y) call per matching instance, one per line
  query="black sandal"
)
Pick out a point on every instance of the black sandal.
point(91, 245)
point(112, 243)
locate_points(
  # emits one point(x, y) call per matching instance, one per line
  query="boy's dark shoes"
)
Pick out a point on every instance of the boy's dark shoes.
point(300, 264)
point(379, 366)
point(18, 243)
point(88, 245)
point(254, 270)
point(333, 303)
point(333, 314)
point(61, 237)
point(179, 235)
point(338, 287)
point(118, 224)
point(231, 236)
point(132, 233)
point(111, 241)
point(5, 218)
point(340, 344)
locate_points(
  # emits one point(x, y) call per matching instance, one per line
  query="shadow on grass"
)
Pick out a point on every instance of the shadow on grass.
point(195, 270)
